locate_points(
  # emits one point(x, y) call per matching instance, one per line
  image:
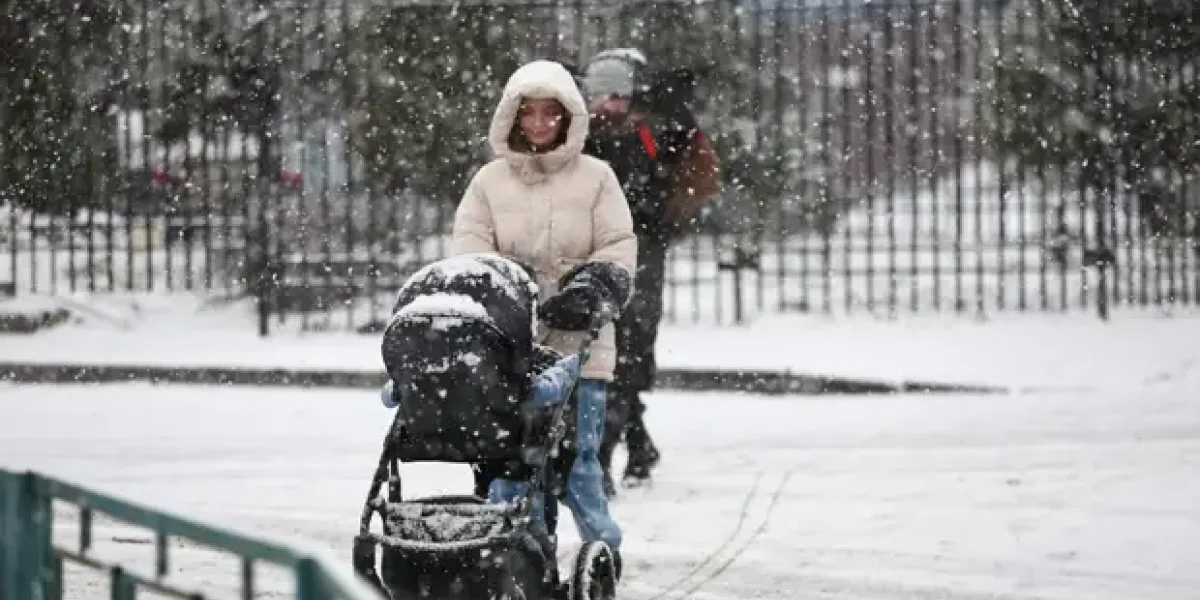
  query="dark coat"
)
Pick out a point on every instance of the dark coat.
point(646, 181)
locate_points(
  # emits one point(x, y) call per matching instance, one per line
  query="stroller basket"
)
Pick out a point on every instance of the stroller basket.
point(439, 524)
point(455, 548)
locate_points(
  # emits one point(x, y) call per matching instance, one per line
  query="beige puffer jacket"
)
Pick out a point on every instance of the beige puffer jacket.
point(552, 211)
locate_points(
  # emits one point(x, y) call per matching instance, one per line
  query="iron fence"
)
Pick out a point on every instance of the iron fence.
point(886, 157)
point(37, 564)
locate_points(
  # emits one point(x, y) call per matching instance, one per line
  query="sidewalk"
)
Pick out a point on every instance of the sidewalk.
point(793, 354)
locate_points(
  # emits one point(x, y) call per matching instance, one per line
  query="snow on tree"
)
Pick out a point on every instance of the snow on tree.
point(433, 75)
point(55, 76)
point(1105, 93)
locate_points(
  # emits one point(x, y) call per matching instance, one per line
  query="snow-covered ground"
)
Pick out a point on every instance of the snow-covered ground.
point(1075, 350)
point(1042, 496)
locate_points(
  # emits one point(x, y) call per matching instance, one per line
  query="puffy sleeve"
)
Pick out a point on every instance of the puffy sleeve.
point(473, 230)
point(614, 240)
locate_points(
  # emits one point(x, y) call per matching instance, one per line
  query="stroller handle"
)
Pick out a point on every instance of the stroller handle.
point(600, 319)
point(558, 425)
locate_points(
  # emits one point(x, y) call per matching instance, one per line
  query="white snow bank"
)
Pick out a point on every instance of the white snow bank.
point(1133, 349)
point(1074, 351)
point(29, 305)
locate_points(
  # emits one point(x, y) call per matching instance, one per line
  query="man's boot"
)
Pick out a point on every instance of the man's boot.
point(643, 455)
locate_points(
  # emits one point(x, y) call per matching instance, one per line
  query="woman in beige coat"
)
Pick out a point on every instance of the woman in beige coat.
point(542, 202)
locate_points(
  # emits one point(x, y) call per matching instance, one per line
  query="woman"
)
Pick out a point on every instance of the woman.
point(542, 202)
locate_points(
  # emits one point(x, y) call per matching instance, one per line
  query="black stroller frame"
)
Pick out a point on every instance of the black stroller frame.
point(458, 547)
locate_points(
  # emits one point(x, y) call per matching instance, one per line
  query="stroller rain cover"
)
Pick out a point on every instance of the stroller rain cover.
point(459, 349)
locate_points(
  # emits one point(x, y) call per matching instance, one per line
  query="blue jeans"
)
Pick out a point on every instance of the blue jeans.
point(585, 486)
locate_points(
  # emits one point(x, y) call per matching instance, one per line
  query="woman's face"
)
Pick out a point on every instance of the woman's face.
point(541, 121)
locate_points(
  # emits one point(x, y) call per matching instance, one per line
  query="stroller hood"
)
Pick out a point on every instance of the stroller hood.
point(482, 287)
point(459, 351)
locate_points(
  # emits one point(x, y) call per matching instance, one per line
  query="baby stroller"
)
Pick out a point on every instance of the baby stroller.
point(460, 352)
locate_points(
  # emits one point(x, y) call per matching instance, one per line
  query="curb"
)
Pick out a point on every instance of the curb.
point(699, 380)
point(29, 322)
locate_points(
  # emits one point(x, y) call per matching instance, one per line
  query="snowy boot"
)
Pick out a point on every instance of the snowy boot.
point(643, 454)
point(610, 487)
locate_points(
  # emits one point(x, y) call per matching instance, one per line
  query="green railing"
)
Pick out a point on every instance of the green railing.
point(31, 566)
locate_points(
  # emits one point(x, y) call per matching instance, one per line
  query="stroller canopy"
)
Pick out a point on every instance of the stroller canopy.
point(484, 288)
point(459, 350)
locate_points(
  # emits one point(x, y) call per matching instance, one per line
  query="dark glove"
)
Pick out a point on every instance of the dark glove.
point(584, 289)
point(571, 309)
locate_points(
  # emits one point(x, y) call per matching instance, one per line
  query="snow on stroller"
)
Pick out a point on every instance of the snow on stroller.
point(461, 356)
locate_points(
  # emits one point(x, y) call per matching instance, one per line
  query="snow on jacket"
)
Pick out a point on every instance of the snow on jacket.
point(552, 211)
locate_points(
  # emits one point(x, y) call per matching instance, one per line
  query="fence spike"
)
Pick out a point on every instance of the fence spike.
point(161, 562)
point(55, 585)
point(85, 529)
point(247, 578)
point(123, 587)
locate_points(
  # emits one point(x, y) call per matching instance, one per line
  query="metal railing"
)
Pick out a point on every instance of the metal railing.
point(32, 566)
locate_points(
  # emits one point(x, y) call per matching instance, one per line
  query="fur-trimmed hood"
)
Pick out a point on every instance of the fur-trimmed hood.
point(539, 79)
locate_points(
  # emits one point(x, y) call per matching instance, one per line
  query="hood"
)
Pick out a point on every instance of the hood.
point(482, 287)
point(539, 79)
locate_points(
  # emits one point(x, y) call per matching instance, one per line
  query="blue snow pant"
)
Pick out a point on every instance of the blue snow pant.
point(585, 485)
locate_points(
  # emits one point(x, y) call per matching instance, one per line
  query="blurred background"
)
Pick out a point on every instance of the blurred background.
point(958, 157)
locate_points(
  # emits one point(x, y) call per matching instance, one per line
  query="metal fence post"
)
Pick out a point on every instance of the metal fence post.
point(8, 541)
point(263, 283)
point(739, 260)
point(307, 585)
point(26, 552)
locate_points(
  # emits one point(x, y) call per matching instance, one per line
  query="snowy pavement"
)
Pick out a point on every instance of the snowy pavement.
point(1040, 496)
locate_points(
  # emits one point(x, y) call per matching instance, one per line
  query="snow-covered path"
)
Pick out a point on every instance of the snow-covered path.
point(1045, 496)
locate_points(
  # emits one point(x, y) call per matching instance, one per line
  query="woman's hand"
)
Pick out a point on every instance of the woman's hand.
point(584, 289)
point(572, 308)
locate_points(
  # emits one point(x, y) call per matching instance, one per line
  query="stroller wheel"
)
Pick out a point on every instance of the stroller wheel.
point(595, 574)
